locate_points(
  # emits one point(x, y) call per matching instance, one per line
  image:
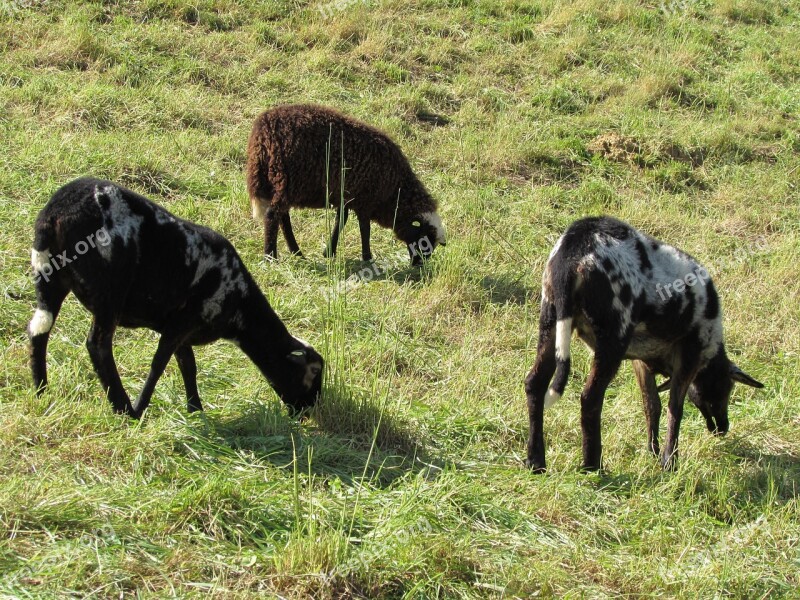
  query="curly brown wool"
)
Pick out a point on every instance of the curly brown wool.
point(295, 158)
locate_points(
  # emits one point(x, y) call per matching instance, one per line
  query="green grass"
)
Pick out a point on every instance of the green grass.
point(408, 479)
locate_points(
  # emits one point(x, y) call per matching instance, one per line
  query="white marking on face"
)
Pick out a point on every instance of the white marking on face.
point(312, 370)
point(551, 397)
point(41, 322)
point(40, 258)
point(563, 337)
point(436, 222)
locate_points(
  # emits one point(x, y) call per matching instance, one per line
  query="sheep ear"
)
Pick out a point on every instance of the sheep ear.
point(665, 385)
point(297, 356)
point(738, 375)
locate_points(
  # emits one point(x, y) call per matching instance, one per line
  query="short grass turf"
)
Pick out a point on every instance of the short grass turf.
point(407, 482)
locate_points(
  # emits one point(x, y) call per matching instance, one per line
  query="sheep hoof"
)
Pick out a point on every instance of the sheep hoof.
point(669, 463)
point(536, 467)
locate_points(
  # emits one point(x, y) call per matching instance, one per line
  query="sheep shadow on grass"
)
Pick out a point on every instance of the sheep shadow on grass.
point(351, 442)
point(355, 273)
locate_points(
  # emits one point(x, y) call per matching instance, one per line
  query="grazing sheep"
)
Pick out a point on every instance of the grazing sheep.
point(132, 263)
point(629, 296)
point(295, 158)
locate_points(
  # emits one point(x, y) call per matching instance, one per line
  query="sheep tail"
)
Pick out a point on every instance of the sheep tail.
point(259, 187)
point(563, 286)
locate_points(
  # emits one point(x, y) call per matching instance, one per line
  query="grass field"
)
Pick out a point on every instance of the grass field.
point(407, 481)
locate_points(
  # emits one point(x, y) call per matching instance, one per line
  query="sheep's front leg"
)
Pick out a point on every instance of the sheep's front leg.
point(364, 227)
point(184, 356)
point(604, 366)
point(167, 346)
point(650, 401)
point(99, 344)
point(288, 234)
point(271, 223)
point(535, 389)
point(677, 394)
point(341, 219)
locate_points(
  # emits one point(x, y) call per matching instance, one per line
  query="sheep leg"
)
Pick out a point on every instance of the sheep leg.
point(288, 234)
point(682, 376)
point(184, 356)
point(167, 345)
point(271, 223)
point(50, 297)
point(363, 227)
point(606, 362)
point(341, 220)
point(99, 344)
point(536, 387)
point(651, 402)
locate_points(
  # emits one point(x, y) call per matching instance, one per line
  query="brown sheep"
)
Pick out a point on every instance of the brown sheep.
point(294, 159)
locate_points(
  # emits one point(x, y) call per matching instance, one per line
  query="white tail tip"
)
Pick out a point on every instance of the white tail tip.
point(258, 209)
point(41, 322)
point(551, 397)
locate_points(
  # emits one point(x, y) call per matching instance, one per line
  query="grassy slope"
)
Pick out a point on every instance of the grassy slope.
point(160, 96)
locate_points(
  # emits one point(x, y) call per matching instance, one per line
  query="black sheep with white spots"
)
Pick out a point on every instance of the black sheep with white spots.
point(629, 296)
point(152, 269)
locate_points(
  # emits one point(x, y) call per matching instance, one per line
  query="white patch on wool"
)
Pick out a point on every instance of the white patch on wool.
point(563, 337)
point(194, 249)
point(40, 258)
point(230, 280)
point(436, 222)
point(124, 223)
point(551, 397)
point(42, 322)
point(625, 262)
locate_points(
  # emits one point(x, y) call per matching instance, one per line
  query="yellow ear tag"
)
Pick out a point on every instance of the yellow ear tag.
point(415, 223)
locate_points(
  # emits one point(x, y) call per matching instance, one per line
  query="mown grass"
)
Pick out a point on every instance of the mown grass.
point(408, 481)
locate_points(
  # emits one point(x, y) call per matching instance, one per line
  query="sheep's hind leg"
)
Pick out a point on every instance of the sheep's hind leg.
point(288, 234)
point(536, 387)
point(50, 296)
point(271, 223)
point(184, 356)
point(606, 362)
point(341, 219)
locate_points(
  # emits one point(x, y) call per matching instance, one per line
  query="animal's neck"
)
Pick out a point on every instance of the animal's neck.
point(260, 333)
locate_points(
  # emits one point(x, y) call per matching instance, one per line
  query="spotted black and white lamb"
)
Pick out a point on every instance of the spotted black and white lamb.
point(295, 158)
point(133, 264)
point(629, 296)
